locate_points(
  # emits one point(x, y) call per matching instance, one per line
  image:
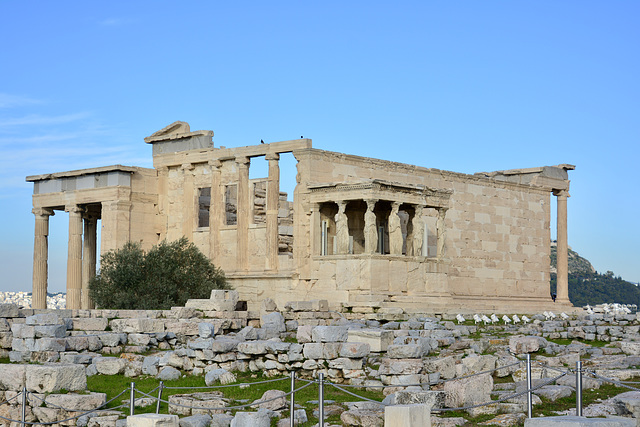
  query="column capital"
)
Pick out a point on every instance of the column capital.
point(243, 161)
point(43, 211)
point(561, 193)
point(272, 156)
point(74, 209)
point(162, 169)
point(187, 166)
point(371, 203)
point(117, 204)
point(217, 164)
point(315, 207)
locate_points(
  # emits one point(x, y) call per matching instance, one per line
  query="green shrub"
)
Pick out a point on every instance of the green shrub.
point(167, 275)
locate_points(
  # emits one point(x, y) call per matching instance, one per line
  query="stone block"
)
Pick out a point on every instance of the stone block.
point(251, 419)
point(468, 391)
point(12, 377)
point(400, 366)
point(407, 351)
point(304, 334)
point(9, 310)
point(109, 365)
point(168, 373)
point(77, 402)
point(52, 378)
point(20, 330)
point(631, 348)
point(354, 349)
point(152, 420)
point(329, 334)
point(378, 339)
point(522, 345)
point(137, 325)
point(90, 323)
point(52, 331)
point(51, 344)
point(206, 330)
point(274, 321)
point(112, 339)
point(573, 421)
point(417, 415)
point(44, 319)
point(253, 347)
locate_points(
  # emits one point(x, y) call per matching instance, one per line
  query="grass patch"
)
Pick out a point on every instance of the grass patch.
point(567, 341)
point(114, 384)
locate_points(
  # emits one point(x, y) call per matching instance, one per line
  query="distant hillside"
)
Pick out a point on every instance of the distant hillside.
point(587, 286)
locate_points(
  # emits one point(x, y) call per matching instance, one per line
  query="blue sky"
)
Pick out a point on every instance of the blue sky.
point(464, 86)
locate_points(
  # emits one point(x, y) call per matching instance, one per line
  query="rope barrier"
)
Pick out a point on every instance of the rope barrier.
point(611, 380)
point(225, 385)
point(224, 408)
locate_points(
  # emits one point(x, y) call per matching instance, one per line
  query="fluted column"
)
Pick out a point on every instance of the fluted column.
point(370, 228)
point(40, 257)
point(216, 211)
point(243, 213)
point(74, 257)
point(88, 260)
point(395, 230)
point(342, 228)
point(273, 198)
point(315, 230)
point(562, 259)
point(441, 231)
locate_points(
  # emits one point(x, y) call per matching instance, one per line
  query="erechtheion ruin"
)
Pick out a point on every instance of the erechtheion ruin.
point(363, 232)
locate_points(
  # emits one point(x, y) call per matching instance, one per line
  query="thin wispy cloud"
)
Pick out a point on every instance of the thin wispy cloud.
point(39, 120)
point(116, 22)
point(9, 101)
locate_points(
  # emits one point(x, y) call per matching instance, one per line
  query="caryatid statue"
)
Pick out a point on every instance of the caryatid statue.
point(395, 231)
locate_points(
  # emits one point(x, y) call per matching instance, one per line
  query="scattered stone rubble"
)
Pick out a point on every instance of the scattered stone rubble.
point(419, 359)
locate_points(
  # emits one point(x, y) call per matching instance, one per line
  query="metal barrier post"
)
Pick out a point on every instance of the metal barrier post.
point(529, 396)
point(321, 400)
point(160, 387)
point(24, 405)
point(292, 416)
point(132, 399)
point(579, 388)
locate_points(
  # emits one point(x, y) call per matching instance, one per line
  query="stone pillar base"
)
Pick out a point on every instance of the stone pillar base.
point(407, 416)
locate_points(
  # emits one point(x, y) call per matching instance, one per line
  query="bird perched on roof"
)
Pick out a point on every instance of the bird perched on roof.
point(262, 141)
point(506, 319)
point(460, 318)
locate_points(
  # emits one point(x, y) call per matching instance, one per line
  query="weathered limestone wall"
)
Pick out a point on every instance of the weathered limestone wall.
point(497, 233)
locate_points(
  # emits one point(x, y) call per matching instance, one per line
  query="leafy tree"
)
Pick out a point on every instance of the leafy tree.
point(167, 275)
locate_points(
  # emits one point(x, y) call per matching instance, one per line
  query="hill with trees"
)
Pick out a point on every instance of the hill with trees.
point(587, 286)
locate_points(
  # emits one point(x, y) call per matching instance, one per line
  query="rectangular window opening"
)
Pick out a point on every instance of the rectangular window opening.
point(231, 204)
point(204, 203)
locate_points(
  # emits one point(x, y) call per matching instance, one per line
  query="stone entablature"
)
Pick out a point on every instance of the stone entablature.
point(357, 230)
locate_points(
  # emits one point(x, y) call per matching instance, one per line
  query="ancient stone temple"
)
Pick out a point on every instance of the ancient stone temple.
point(361, 232)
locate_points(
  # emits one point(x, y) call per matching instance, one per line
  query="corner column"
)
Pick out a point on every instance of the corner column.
point(88, 260)
point(40, 257)
point(370, 228)
point(74, 257)
point(273, 199)
point(562, 258)
point(216, 211)
point(315, 231)
point(243, 213)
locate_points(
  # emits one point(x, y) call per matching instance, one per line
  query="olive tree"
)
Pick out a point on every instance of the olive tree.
point(167, 275)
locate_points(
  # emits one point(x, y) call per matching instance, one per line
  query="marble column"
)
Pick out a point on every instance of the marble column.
point(395, 230)
point(216, 211)
point(370, 228)
point(40, 257)
point(417, 233)
point(562, 258)
point(441, 232)
point(243, 213)
point(88, 260)
point(342, 228)
point(74, 257)
point(273, 199)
